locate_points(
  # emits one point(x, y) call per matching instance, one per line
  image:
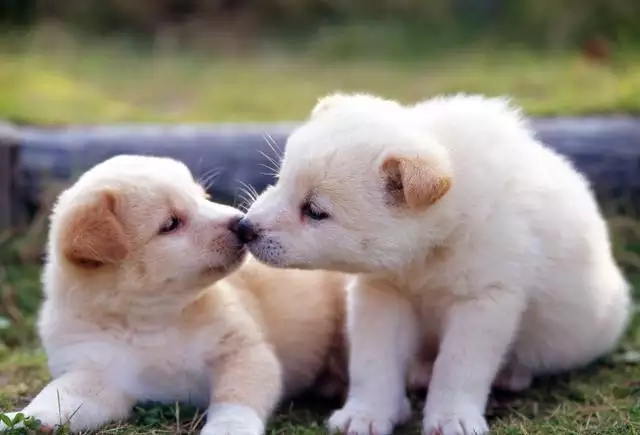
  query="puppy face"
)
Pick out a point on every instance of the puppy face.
point(144, 224)
point(355, 184)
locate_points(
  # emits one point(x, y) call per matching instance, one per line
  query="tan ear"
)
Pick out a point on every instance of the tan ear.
point(417, 181)
point(94, 236)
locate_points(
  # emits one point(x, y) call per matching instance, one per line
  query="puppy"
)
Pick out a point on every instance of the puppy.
point(474, 244)
point(141, 305)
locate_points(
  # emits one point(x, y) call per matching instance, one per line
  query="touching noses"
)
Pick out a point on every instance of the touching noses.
point(243, 229)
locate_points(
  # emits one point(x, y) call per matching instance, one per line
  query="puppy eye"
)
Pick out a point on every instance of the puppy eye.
point(172, 224)
point(312, 212)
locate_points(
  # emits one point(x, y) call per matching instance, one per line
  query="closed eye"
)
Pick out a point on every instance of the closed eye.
point(312, 211)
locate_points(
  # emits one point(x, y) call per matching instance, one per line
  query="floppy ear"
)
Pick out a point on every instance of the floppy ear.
point(417, 181)
point(94, 237)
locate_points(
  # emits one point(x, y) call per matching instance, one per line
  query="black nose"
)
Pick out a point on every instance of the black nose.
point(243, 230)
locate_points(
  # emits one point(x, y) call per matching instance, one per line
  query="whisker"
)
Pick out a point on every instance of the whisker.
point(244, 204)
point(250, 190)
point(237, 204)
point(271, 160)
point(209, 178)
point(276, 156)
point(271, 171)
point(247, 194)
point(273, 145)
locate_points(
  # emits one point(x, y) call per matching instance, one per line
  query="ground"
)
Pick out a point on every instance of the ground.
point(601, 399)
point(108, 84)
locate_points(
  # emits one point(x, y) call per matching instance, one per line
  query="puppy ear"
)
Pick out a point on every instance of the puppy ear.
point(327, 103)
point(94, 236)
point(417, 181)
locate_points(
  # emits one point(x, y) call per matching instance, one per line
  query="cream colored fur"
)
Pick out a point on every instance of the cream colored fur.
point(475, 246)
point(134, 315)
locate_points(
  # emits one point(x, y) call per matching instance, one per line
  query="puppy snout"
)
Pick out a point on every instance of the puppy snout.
point(243, 229)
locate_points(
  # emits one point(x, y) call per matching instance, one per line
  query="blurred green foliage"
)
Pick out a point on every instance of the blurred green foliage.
point(416, 23)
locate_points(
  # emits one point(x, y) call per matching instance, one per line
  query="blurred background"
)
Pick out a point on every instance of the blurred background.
point(78, 61)
point(69, 62)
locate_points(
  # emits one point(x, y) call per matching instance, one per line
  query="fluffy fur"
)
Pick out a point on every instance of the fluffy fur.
point(476, 247)
point(141, 305)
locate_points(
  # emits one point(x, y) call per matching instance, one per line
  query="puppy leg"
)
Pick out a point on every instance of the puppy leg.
point(383, 339)
point(83, 400)
point(513, 377)
point(475, 339)
point(246, 388)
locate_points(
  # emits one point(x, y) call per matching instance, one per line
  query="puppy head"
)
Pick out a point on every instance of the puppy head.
point(355, 186)
point(142, 224)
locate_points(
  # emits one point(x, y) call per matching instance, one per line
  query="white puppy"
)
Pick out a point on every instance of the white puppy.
point(140, 306)
point(472, 240)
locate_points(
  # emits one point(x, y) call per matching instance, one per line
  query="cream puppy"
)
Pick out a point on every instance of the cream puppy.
point(473, 242)
point(140, 306)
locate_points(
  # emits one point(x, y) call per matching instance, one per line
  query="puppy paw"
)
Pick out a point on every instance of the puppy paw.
point(462, 422)
point(358, 419)
point(232, 419)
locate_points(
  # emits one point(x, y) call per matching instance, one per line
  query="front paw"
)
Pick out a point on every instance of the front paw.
point(463, 421)
point(232, 419)
point(364, 419)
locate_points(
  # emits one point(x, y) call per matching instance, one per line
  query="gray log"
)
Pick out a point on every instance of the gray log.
point(606, 150)
point(10, 209)
point(233, 151)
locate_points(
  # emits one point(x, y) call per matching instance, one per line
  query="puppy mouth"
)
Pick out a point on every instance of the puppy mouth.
point(235, 260)
point(266, 255)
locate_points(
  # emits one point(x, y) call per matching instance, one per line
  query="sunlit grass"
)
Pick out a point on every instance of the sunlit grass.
point(74, 83)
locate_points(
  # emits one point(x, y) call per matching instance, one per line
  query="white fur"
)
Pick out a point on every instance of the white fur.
point(232, 419)
point(510, 271)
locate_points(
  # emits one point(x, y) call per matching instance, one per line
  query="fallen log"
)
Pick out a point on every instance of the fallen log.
point(606, 150)
point(10, 206)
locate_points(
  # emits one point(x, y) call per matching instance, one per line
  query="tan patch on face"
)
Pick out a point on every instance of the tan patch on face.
point(417, 182)
point(93, 236)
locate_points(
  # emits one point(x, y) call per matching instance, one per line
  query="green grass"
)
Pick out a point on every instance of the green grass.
point(602, 399)
point(68, 81)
